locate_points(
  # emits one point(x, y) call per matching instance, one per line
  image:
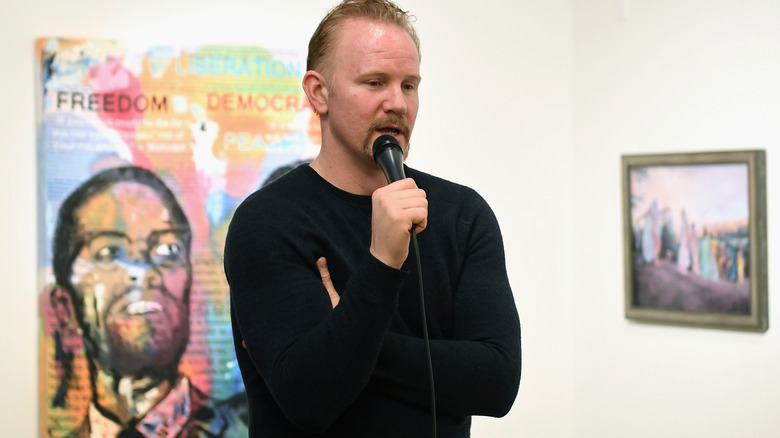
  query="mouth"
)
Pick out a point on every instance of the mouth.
point(143, 307)
point(391, 131)
point(389, 125)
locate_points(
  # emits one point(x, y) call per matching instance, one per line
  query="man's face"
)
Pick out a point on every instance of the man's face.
point(374, 75)
point(133, 277)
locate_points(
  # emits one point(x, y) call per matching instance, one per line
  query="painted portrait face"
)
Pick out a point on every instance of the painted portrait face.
point(132, 275)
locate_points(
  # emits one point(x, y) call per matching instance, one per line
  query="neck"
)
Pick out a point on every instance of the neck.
point(128, 398)
point(359, 176)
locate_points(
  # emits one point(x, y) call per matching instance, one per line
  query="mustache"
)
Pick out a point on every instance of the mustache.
point(395, 121)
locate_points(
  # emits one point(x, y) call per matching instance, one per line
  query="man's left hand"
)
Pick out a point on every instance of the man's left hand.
point(322, 265)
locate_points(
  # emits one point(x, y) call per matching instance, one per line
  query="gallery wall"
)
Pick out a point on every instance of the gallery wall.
point(655, 77)
point(532, 103)
point(495, 114)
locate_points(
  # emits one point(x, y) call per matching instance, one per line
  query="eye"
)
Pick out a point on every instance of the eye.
point(107, 249)
point(108, 254)
point(374, 83)
point(165, 254)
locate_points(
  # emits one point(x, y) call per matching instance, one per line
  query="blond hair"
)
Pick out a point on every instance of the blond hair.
point(323, 40)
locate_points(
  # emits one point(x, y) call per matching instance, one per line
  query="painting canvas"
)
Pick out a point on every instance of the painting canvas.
point(144, 154)
point(695, 239)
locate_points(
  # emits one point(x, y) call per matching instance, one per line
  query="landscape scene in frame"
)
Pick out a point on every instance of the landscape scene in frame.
point(691, 240)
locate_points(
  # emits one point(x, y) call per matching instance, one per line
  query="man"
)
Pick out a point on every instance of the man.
point(121, 261)
point(325, 307)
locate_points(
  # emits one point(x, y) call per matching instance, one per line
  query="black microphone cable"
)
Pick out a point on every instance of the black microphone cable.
point(425, 330)
point(392, 165)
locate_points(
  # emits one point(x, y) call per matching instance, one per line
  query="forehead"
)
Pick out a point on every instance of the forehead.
point(125, 206)
point(369, 39)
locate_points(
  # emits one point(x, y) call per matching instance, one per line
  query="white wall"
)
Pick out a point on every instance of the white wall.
point(673, 76)
point(532, 103)
point(495, 114)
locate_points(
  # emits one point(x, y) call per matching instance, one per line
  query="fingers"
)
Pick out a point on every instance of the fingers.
point(397, 209)
point(322, 266)
point(404, 203)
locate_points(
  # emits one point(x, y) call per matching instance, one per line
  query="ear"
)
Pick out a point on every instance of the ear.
point(314, 86)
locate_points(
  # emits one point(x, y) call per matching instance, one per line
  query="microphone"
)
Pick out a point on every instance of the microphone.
point(390, 157)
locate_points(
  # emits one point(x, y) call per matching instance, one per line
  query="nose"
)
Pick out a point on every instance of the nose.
point(140, 274)
point(136, 271)
point(135, 253)
point(395, 101)
point(140, 282)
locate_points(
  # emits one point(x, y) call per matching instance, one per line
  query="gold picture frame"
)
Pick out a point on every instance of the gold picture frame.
point(695, 245)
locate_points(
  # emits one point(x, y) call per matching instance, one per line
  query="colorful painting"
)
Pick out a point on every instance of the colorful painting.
point(695, 240)
point(144, 154)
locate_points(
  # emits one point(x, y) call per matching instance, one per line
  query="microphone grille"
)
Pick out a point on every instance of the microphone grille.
point(383, 142)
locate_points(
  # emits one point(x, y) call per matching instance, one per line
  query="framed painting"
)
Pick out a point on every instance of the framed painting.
point(695, 245)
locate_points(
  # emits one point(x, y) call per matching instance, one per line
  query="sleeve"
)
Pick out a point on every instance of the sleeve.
point(477, 371)
point(315, 360)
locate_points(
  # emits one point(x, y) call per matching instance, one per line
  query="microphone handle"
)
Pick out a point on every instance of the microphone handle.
point(394, 173)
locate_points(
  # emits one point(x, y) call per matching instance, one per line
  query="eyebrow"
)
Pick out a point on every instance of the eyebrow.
point(95, 234)
point(382, 73)
point(114, 233)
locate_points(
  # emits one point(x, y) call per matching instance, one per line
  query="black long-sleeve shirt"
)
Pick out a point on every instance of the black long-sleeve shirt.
point(360, 369)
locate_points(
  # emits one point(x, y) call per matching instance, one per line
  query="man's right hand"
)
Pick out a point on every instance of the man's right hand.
point(397, 208)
